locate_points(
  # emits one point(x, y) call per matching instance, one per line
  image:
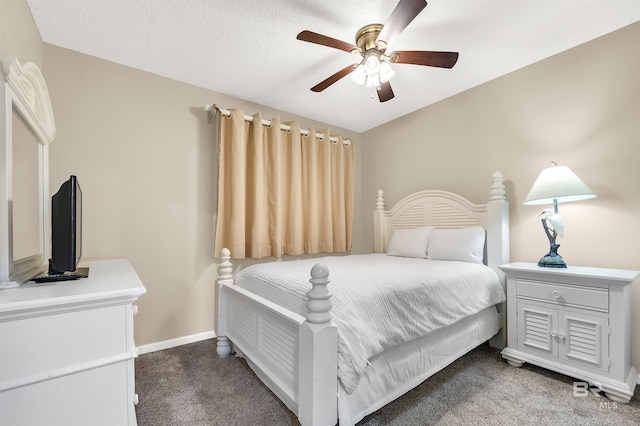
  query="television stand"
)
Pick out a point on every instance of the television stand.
point(68, 350)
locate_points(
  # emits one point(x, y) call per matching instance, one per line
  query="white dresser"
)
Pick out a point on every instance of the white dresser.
point(67, 350)
point(576, 321)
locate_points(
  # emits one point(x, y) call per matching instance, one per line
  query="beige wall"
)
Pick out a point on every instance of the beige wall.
point(18, 33)
point(580, 108)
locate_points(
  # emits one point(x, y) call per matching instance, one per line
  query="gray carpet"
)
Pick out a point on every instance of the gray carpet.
point(190, 385)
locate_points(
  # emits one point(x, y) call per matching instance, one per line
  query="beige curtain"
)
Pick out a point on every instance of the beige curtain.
point(280, 192)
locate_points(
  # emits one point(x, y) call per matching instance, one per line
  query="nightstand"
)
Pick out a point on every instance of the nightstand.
point(576, 321)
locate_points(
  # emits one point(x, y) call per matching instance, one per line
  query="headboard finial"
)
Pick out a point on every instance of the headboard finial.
point(380, 200)
point(497, 190)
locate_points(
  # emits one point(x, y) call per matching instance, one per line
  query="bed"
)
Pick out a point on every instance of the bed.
point(308, 331)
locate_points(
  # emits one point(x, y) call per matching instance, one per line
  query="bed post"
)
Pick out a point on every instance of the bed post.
point(497, 225)
point(498, 241)
point(318, 356)
point(380, 236)
point(225, 276)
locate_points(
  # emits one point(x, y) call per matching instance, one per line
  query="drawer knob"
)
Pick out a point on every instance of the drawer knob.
point(553, 334)
point(560, 335)
point(556, 294)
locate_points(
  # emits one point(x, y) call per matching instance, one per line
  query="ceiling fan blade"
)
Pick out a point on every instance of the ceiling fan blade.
point(430, 59)
point(323, 40)
point(333, 78)
point(402, 15)
point(384, 92)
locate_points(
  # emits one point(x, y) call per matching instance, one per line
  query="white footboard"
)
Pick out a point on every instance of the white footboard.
point(295, 356)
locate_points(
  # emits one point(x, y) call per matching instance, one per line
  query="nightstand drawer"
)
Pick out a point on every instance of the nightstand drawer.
point(588, 297)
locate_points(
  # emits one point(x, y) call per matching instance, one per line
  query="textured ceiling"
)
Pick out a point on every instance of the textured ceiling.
point(248, 48)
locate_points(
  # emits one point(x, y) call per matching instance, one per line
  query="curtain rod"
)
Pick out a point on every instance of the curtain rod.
point(211, 111)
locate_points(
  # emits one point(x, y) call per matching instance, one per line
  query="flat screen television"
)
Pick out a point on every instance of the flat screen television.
point(66, 227)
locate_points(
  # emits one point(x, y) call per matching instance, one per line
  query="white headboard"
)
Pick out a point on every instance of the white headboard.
point(443, 209)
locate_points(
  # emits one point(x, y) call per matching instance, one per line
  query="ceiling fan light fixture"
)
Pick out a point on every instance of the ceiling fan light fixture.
point(373, 70)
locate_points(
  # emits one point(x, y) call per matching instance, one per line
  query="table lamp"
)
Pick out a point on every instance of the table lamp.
point(556, 184)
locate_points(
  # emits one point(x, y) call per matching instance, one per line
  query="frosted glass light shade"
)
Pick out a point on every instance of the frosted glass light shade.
point(372, 64)
point(386, 72)
point(372, 81)
point(359, 75)
point(558, 183)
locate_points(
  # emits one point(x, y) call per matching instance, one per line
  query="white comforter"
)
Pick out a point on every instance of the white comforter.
point(379, 301)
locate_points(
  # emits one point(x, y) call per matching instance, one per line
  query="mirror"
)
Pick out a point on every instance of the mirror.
point(27, 242)
point(26, 190)
point(28, 130)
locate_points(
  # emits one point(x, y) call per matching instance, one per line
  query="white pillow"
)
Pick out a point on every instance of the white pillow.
point(409, 242)
point(464, 244)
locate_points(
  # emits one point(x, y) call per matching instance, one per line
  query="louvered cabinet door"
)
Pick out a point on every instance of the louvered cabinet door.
point(584, 339)
point(537, 329)
point(575, 321)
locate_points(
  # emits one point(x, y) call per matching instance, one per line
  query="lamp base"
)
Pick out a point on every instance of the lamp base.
point(550, 261)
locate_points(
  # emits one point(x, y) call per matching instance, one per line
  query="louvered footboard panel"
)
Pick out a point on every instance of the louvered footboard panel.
point(267, 335)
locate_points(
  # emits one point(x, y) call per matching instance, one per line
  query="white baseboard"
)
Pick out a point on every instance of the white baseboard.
point(172, 343)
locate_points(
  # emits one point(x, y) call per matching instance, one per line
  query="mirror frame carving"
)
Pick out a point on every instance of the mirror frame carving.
point(26, 93)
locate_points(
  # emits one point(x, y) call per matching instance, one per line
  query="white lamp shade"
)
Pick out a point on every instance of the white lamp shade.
point(558, 183)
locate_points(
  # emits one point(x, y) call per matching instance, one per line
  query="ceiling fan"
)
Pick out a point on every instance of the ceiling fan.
point(374, 70)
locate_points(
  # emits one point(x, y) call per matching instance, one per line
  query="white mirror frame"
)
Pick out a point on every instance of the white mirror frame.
point(26, 93)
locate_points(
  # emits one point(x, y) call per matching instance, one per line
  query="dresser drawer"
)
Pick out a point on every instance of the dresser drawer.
point(51, 345)
point(565, 295)
point(95, 397)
